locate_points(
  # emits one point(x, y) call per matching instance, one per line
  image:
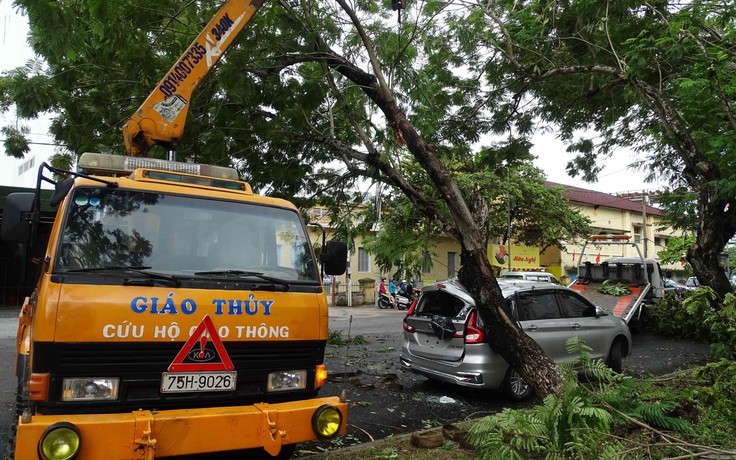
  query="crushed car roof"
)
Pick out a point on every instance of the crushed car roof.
point(508, 287)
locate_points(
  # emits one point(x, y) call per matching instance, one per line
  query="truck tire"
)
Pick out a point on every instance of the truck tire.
point(21, 391)
point(514, 387)
point(614, 357)
point(21, 401)
point(637, 324)
point(286, 452)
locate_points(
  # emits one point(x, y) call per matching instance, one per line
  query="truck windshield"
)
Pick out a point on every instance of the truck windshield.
point(181, 235)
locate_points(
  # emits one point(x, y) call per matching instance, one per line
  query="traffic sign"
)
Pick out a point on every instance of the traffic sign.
point(203, 358)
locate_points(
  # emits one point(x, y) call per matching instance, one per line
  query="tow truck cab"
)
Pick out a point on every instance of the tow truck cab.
point(176, 312)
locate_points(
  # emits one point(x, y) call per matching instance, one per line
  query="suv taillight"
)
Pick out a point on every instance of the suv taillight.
point(473, 333)
point(405, 323)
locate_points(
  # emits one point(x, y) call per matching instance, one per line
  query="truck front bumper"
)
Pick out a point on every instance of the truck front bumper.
point(146, 435)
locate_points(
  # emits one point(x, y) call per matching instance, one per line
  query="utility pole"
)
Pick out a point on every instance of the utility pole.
point(644, 223)
point(508, 213)
point(377, 228)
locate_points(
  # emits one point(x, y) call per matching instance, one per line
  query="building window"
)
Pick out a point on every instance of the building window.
point(364, 261)
point(451, 264)
point(427, 263)
point(26, 165)
point(637, 233)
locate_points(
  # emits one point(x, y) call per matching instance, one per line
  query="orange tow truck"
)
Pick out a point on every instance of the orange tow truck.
point(176, 311)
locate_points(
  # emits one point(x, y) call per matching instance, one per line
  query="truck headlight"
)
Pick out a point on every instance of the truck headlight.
point(90, 389)
point(287, 380)
point(60, 441)
point(326, 421)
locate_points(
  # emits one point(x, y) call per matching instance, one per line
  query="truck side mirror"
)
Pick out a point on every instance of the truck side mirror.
point(334, 257)
point(61, 191)
point(16, 223)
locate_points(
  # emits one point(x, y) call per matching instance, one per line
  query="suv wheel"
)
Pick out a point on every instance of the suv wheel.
point(614, 357)
point(514, 387)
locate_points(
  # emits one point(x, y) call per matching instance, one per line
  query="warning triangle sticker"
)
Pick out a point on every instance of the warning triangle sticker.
point(197, 356)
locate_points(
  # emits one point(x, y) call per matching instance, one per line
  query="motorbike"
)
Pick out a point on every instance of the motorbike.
point(403, 302)
point(384, 301)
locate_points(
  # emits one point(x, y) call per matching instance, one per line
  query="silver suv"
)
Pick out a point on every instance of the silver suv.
point(444, 338)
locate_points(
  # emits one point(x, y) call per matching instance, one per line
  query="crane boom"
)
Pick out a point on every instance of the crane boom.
point(160, 119)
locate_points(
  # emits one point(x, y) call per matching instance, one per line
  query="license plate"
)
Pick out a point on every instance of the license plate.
point(190, 382)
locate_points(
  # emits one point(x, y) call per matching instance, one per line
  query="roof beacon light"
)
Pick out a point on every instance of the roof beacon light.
point(118, 165)
point(610, 237)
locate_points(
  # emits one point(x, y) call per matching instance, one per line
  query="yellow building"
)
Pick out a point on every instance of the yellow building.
point(623, 214)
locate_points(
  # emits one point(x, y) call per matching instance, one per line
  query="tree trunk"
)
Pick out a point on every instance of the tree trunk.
point(505, 336)
point(468, 224)
point(717, 226)
point(708, 271)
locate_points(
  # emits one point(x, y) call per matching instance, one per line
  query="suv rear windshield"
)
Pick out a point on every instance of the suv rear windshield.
point(439, 303)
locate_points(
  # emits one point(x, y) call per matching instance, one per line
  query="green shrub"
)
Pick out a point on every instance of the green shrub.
point(670, 318)
point(578, 420)
point(699, 316)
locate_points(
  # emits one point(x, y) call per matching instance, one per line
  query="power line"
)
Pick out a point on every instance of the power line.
point(39, 143)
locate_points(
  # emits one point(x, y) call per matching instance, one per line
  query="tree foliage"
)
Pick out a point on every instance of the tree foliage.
point(313, 97)
point(655, 77)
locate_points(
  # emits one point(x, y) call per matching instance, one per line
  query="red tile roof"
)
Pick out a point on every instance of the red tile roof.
point(591, 197)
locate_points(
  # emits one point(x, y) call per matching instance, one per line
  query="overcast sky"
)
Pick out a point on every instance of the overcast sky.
point(551, 154)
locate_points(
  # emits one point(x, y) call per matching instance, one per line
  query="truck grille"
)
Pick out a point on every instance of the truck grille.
point(140, 365)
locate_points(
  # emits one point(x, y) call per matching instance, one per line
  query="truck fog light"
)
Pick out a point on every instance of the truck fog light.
point(287, 380)
point(90, 389)
point(326, 421)
point(60, 441)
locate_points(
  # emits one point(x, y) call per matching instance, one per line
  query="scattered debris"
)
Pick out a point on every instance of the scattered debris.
point(428, 438)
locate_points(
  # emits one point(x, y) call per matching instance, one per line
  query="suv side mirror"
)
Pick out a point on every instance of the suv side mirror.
point(334, 257)
point(16, 223)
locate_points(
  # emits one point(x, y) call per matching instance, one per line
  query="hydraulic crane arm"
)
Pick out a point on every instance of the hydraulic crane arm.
point(160, 119)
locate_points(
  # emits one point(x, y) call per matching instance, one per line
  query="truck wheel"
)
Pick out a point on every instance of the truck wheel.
point(21, 401)
point(514, 387)
point(614, 357)
point(637, 324)
point(286, 452)
point(21, 391)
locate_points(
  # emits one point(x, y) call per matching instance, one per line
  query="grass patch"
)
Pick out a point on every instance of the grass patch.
point(400, 448)
point(336, 338)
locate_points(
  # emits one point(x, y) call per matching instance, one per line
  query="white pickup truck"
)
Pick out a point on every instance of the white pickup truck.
point(623, 286)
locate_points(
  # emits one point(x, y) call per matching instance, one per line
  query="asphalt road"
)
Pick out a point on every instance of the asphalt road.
point(365, 319)
point(8, 328)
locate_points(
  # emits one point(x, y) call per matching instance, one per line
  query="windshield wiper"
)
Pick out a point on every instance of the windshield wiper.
point(140, 269)
point(112, 268)
point(239, 273)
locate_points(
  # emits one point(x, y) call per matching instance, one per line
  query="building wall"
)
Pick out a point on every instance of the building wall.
point(619, 222)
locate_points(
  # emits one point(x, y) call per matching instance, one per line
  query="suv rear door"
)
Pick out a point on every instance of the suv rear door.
point(439, 322)
point(540, 317)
